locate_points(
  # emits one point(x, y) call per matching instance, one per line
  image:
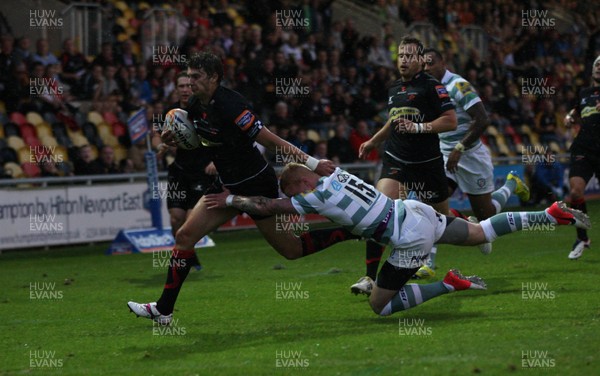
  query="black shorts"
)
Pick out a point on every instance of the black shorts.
point(393, 278)
point(584, 164)
point(184, 191)
point(264, 184)
point(426, 180)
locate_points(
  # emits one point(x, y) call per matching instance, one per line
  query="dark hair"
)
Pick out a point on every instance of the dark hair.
point(208, 61)
point(412, 40)
point(181, 74)
point(435, 52)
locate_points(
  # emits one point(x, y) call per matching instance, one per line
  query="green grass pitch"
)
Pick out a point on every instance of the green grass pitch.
point(251, 312)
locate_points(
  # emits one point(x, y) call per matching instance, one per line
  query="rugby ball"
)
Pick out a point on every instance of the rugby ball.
point(185, 134)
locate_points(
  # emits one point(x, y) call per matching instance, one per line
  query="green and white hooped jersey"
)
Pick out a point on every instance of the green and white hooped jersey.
point(350, 202)
point(463, 97)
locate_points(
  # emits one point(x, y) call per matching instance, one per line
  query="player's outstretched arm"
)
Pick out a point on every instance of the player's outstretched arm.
point(258, 205)
point(279, 146)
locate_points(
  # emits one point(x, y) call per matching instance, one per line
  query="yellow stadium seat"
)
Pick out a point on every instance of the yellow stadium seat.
point(43, 129)
point(14, 170)
point(120, 153)
point(34, 118)
point(121, 5)
point(94, 151)
point(79, 140)
point(95, 117)
point(110, 140)
point(60, 153)
point(492, 131)
point(24, 154)
point(49, 141)
point(15, 142)
point(313, 135)
point(103, 129)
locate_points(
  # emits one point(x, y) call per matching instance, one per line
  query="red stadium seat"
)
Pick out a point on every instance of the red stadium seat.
point(119, 129)
point(32, 170)
point(27, 130)
point(110, 118)
point(17, 117)
point(33, 141)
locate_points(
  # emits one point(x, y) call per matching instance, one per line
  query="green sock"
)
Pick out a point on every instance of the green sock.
point(413, 294)
point(505, 223)
point(500, 196)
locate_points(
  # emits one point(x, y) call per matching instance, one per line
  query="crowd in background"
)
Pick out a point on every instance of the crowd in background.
point(339, 75)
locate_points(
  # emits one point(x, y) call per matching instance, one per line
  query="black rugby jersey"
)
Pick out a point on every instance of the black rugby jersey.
point(588, 138)
point(420, 100)
point(227, 127)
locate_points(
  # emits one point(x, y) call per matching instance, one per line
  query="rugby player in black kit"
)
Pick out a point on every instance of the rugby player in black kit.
point(228, 127)
point(419, 108)
point(192, 174)
point(585, 151)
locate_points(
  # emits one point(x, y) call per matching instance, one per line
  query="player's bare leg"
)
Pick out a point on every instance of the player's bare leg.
point(482, 206)
point(177, 218)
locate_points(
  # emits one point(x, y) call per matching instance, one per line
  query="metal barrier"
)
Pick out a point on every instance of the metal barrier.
point(83, 24)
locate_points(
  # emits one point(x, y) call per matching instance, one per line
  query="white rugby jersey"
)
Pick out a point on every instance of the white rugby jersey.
point(463, 96)
point(350, 202)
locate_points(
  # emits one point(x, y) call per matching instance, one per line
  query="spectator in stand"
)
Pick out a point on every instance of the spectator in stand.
point(8, 64)
point(43, 54)
point(22, 52)
point(321, 150)
point(359, 135)
point(105, 163)
point(84, 164)
point(546, 124)
point(302, 142)
point(91, 84)
point(364, 106)
point(339, 146)
point(73, 64)
point(126, 57)
point(109, 82)
point(315, 111)
point(281, 117)
point(106, 56)
point(141, 86)
point(126, 166)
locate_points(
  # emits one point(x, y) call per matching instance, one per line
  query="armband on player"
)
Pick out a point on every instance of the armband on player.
point(311, 163)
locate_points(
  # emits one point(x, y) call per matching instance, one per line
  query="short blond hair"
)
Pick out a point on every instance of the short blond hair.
point(292, 174)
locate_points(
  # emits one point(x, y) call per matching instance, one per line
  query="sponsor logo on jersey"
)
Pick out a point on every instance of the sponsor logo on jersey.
point(245, 120)
point(343, 177)
point(441, 91)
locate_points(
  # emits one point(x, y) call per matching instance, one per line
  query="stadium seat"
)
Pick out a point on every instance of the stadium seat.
point(78, 139)
point(8, 154)
point(31, 170)
point(15, 142)
point(49, 141)
point(27, 131)
point(24, 154)
point(49, 117)
point(119, 129)
point(313, 136)
point(33, 141)
point(120, 153)
point(43, 129)
point(95, 117)
point(121, 5)
point(59, 129)
point(110, 118)
point(64, 140)
point(111, 140)
point(104, 129)
point(61, 153)
point(14, 170)
point(11, 129)
point(34, 118)
point(18, 118)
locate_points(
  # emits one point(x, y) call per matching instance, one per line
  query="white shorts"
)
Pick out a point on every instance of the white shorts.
point(475, 173)
point(411, 243)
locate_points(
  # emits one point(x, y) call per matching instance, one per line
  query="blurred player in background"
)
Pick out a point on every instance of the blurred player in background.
point(411, 227)
point(419, 108)
point(585, 151)
point(228, 128)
